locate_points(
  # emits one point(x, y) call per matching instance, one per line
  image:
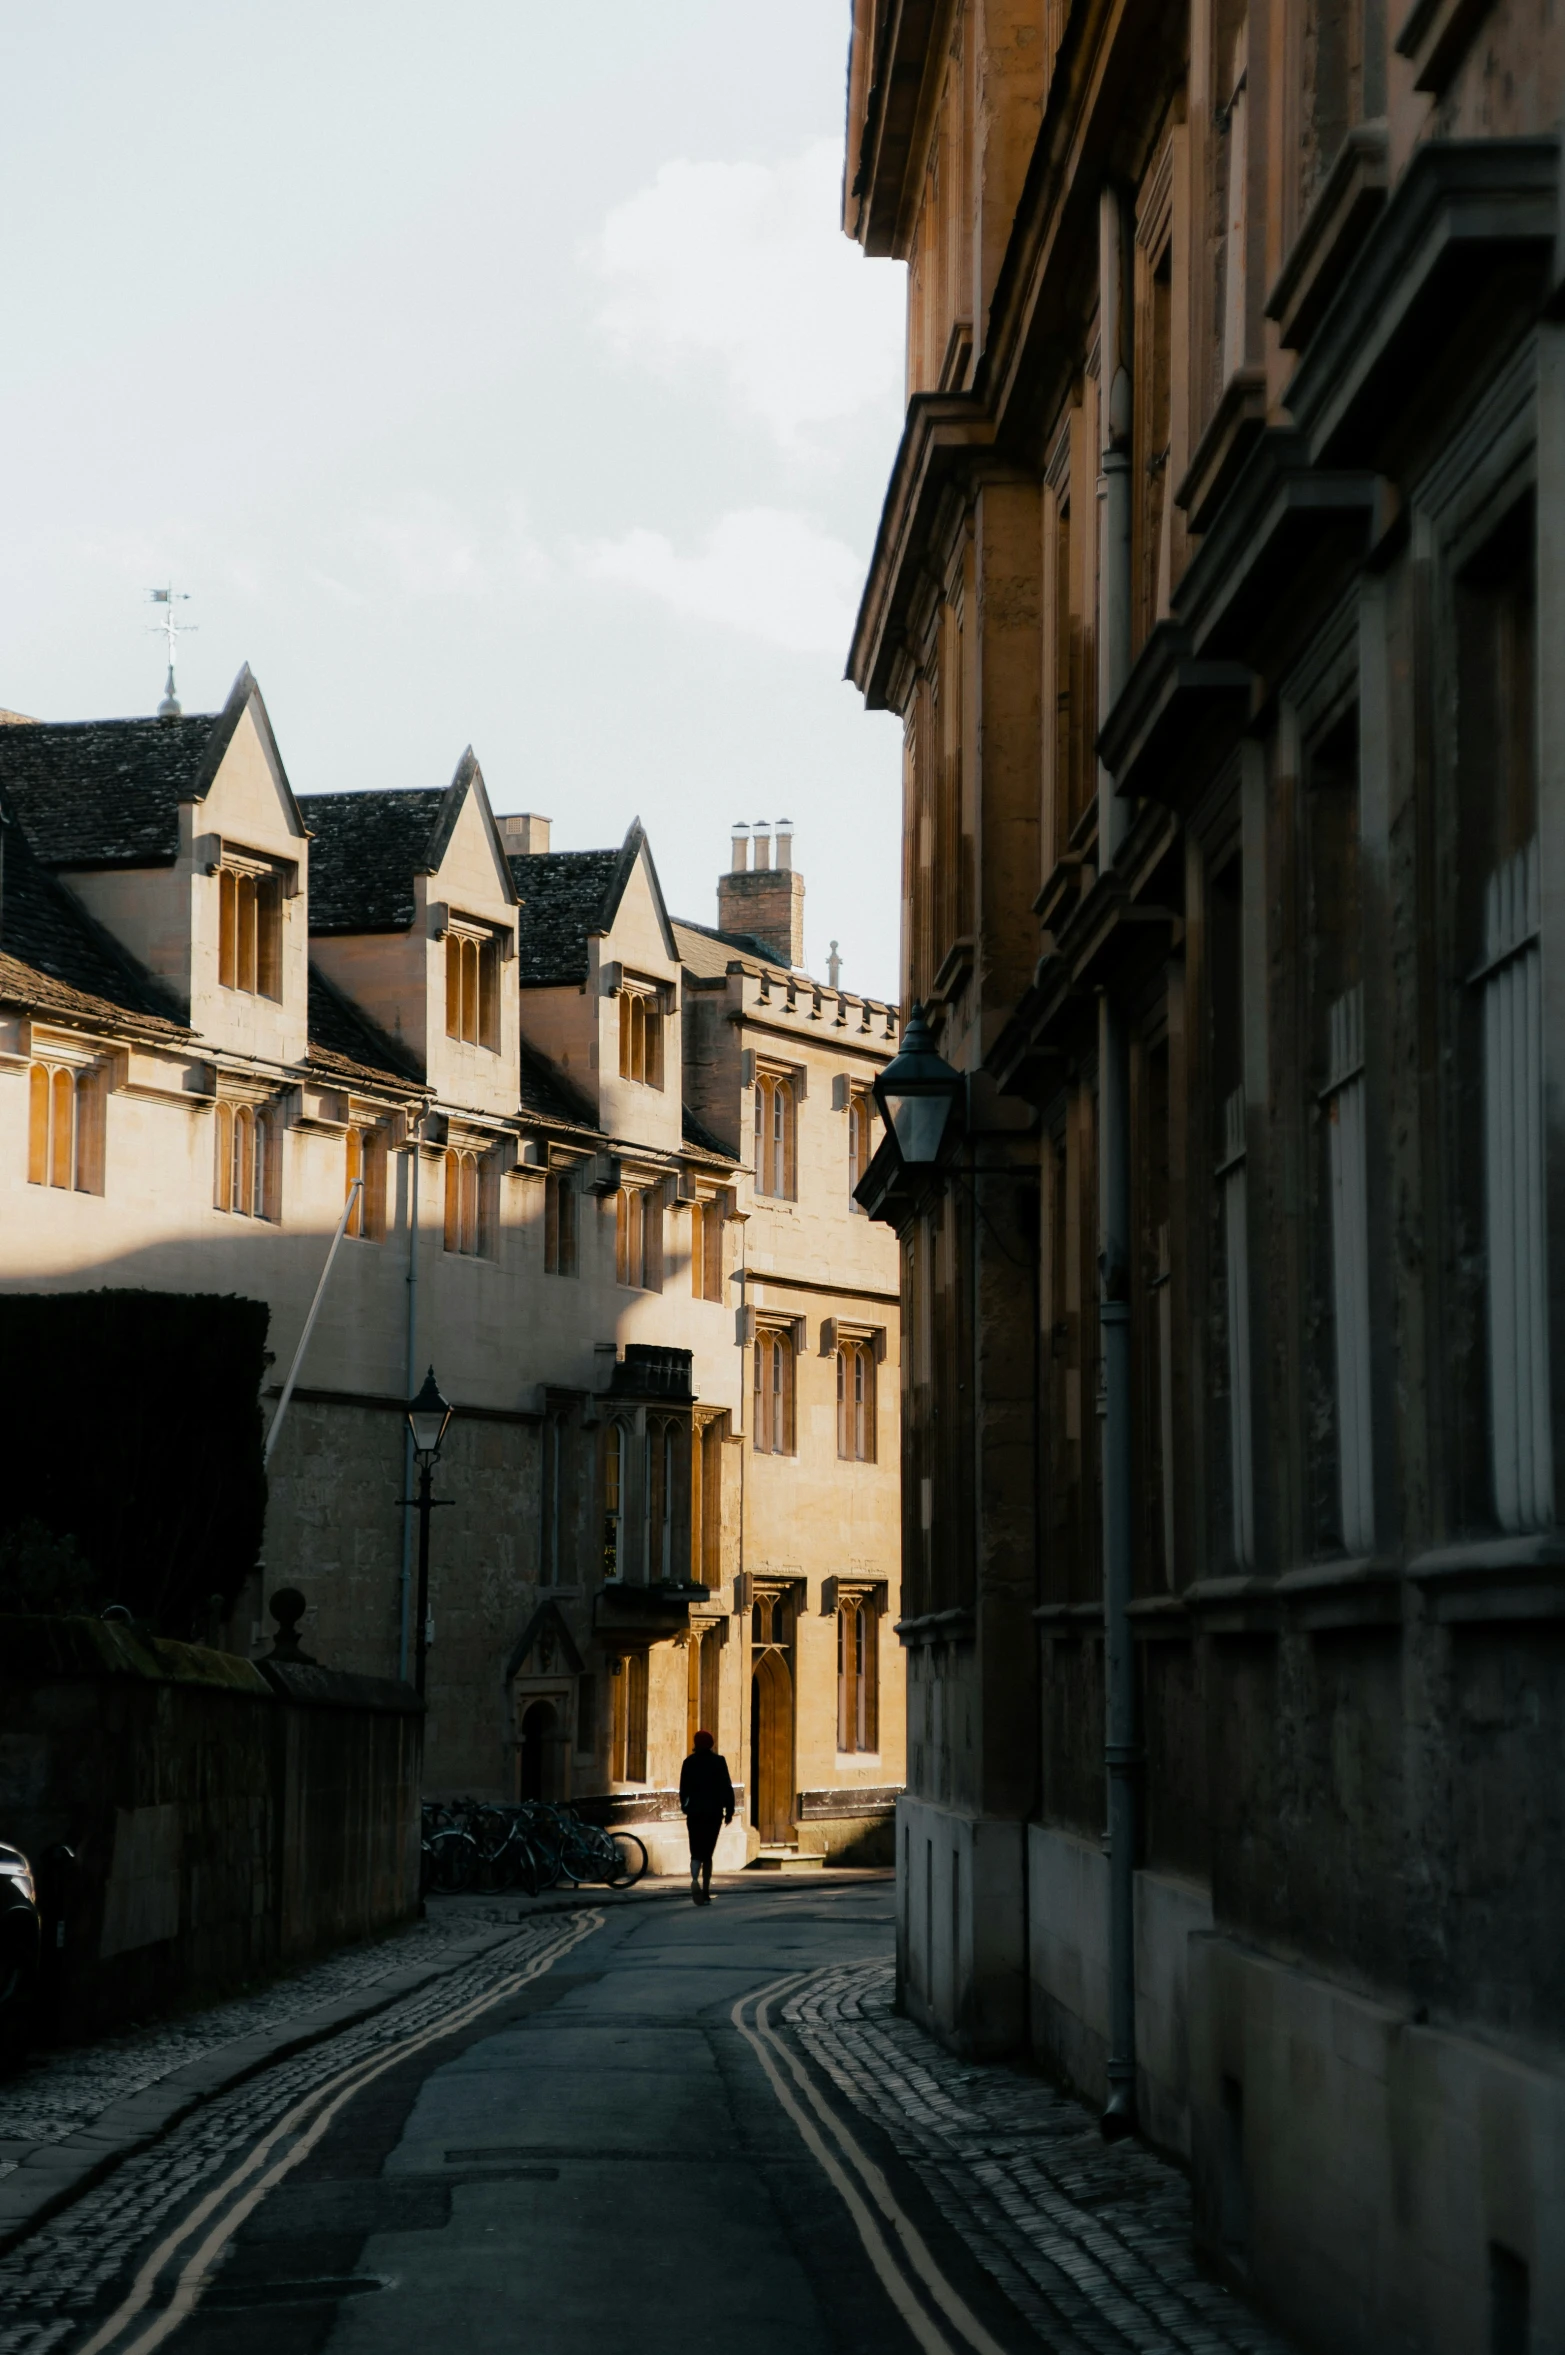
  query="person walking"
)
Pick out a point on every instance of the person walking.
point(706, 1796)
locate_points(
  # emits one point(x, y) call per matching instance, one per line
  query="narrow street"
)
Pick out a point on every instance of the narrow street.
point(633, 2125)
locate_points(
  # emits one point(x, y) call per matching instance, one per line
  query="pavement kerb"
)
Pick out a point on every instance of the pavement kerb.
point(55, 2174)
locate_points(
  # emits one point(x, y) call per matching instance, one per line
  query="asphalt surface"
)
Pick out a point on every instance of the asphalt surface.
point(619, 2153)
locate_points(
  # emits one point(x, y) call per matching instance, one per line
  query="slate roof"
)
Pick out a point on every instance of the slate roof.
point(106, 793)
point(564, 895)
point(103, 793)
point(365, 850)
point(344, 1041)
point(708, 954)
point(60, 959)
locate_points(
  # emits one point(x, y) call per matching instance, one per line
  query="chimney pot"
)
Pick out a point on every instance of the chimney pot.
point(741, 848)
point(763, 844)
point(785, 842)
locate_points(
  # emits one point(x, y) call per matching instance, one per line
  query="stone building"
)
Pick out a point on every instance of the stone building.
point(1211, 584)
point(596, 1167)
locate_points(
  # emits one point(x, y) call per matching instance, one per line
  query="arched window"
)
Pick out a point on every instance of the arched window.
point(464, 1203)
point(558, 1565)
point(640, 1038)
point(65, 1128)
point(630, 1719)
point(858, 1674)
point(860, 1145)
point(473, 989)
point(613, 1499)
point(243, 1182)
point(659, 1499)
point(250, 932)
point(774, 1135)
point(772, 1421)
point(638, 1237)
point(856, 1401)
point(366, 1159)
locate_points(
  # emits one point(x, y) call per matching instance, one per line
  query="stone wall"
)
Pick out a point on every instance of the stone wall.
point(225, 1819)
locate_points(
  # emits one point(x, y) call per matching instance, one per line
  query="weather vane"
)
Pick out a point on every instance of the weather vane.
point(173, 631)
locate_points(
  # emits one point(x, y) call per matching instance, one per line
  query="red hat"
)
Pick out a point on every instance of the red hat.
point(705, 1741)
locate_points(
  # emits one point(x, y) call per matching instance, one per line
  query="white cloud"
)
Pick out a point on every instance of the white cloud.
point(745, 266)
point(772, 575)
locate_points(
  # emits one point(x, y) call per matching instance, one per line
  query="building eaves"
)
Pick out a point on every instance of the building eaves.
point(709, 954)
point(546, 1095)
point(40, 993)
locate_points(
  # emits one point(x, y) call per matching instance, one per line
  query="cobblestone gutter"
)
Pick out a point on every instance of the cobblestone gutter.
point(1090, 2241)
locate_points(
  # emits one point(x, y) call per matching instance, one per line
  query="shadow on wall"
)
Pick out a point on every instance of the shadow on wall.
point(227, 1818)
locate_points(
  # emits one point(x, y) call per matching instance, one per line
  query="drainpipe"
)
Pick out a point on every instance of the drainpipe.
point(405, 1594)
point(1121, 1756)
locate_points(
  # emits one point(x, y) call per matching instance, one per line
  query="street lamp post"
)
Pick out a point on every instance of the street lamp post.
point(917, 1093)
point(428, 1415)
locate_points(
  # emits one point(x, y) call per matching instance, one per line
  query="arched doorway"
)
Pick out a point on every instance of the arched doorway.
point(771, 1749)
point(540, 1751)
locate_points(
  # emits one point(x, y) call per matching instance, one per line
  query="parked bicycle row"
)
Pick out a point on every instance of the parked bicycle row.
point(472, 1844)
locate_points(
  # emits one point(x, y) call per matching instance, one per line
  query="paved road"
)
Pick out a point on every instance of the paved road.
point(648, 2127)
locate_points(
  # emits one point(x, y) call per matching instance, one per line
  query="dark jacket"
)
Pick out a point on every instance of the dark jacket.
point(705, 1787)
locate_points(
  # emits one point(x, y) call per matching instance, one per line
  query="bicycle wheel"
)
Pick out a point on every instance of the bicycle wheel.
point(632, 1859)
point(454, 1858)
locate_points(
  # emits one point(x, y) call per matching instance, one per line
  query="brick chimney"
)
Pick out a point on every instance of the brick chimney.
point(766, 899)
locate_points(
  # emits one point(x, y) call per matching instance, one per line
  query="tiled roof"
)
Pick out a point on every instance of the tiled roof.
point(46, 931)
point(565, 895)
point(709, 954)
point(40, 993)
point(103, 793)
point(343, 1039)
point(698, 1134)
point(365, 850)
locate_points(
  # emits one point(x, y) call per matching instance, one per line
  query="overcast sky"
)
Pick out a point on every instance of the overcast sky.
point(494, 373)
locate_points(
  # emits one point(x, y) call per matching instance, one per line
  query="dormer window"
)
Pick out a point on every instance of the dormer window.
point(473, 986)
point(640, 1036)
point(250, 928)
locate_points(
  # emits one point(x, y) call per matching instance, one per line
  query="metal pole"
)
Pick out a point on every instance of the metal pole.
point(357, 1187)
point(1121, 1755)
point(421, 1638)
point(405, 1588)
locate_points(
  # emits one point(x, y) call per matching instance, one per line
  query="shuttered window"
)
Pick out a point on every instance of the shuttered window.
point(640, 1038)
point(772, 1421)
point(856, 1401)
point(775, 1121)
point(858, 1674)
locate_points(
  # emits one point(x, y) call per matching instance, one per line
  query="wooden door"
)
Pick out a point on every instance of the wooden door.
point(771, 1749)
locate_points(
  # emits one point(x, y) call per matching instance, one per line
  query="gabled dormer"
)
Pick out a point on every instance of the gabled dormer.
point(413, 915)
point(182, 837)
point(600, 970)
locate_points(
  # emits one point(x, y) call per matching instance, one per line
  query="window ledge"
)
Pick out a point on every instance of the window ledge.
point(933, 1627)
point(1496, 1578)
point(1338, 222)
point(1223, 448)
point(1068, 1617)
point(1365, 1591)
point(1244, 1605)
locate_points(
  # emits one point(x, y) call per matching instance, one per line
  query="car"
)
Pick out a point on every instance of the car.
point(21, 1940)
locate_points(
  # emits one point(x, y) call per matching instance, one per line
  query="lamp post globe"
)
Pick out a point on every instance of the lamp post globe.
point(428, 1415)
point(917, 1094)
